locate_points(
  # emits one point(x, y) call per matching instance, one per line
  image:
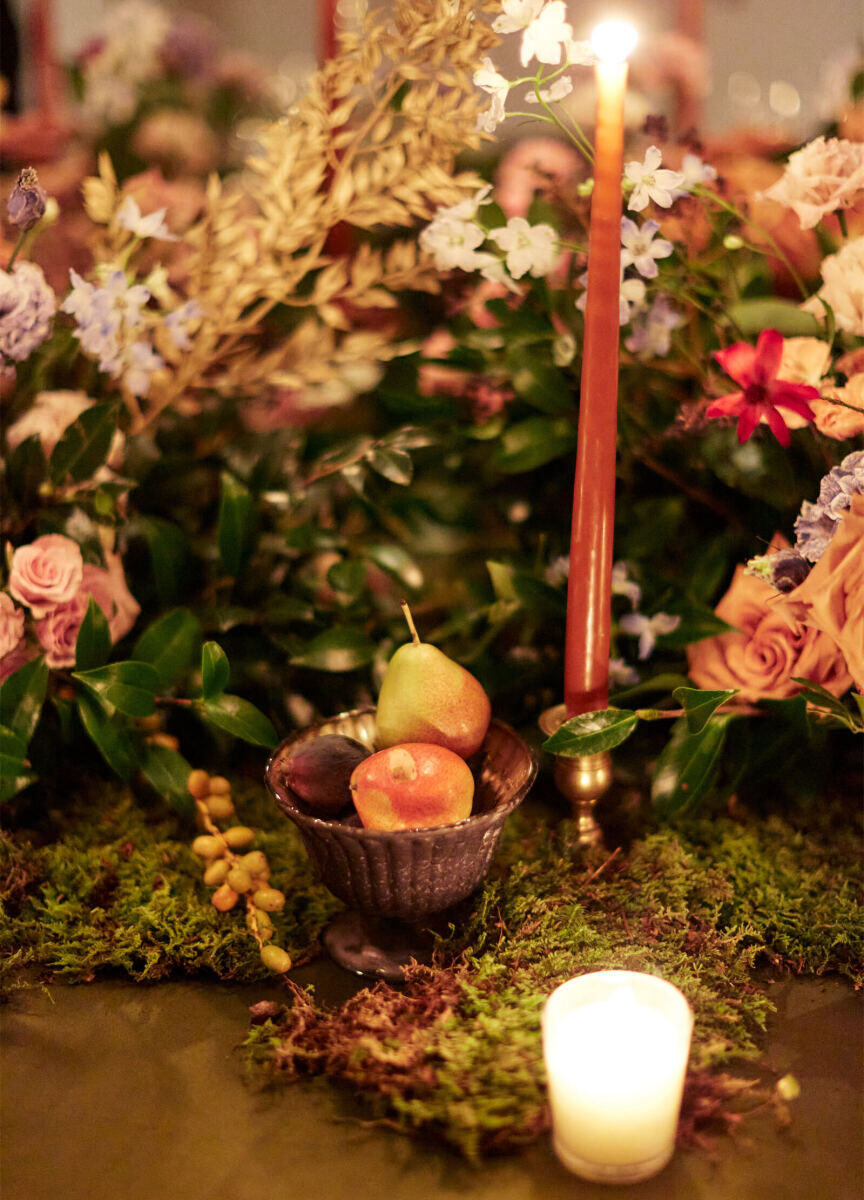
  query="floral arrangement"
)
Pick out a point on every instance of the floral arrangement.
point(232, 445)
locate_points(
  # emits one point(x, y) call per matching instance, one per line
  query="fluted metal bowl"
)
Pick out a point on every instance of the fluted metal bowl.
point(409, 873)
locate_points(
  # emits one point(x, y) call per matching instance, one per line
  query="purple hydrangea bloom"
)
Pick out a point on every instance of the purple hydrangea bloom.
point(27, 307)
point(26, 204)
point(817, 523)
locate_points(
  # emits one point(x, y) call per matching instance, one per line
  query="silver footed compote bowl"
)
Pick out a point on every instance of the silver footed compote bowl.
point(392, 881)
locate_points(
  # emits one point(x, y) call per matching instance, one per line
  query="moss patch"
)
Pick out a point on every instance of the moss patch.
point(111, 885)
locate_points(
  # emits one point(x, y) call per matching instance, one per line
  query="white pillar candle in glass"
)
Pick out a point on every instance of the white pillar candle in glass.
point(616, 1045)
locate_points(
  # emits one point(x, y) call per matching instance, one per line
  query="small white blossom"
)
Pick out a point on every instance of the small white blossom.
point(517, 14)
point(452, 243)
point(129, 216)
point(177, 323)
point(531, 248)
point(695, 171)
point(558, 571)
point(641, 249)
point(631, 298)
point(547, 33)
point(564, 349)
point(621, 674)
point(491, 81)
point(557, 91)
point(652, 330)
point(466, 209)
point(579, 54)
point(623, 585)
point(648, 629)
point(652, 182)
point(141, 361)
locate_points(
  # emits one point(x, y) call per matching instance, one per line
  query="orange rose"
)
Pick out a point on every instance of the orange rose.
point(768, 649)
point(837, 420)
point(831, 598)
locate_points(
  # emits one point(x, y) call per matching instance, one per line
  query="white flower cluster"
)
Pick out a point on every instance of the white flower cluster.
point(113, 325)
point(27, 308)
point(126, 53)
point(454, 239)
point(545, 36)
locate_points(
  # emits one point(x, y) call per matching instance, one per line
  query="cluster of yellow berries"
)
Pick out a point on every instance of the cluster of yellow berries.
point(233, 869)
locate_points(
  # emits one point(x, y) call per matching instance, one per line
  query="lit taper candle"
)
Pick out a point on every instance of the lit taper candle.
point(589, 594)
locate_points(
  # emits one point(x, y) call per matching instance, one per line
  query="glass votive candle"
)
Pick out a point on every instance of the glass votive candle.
point(616, 1045)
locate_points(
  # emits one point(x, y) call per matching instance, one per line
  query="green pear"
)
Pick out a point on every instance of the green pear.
point(427, 697)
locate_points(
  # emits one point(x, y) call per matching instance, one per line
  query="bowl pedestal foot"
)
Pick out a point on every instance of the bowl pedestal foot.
point(377, 947)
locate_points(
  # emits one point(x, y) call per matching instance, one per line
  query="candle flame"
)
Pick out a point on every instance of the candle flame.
point(613, 41)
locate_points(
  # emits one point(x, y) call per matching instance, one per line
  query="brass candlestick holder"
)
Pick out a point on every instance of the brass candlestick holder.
point(582, 779)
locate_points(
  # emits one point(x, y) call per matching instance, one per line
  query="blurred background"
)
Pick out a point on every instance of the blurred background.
point(769, 62)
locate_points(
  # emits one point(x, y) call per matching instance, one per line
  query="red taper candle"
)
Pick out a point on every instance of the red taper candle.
point(589, 591)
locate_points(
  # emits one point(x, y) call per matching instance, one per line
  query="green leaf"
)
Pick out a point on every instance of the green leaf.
point(339, 649)
point(170, 644)
point(84, 445)
point(532, 443)
point(533, 594)
point(687, 765)
point(395, 465)
point(591, 733)
point(129, 687)
point(26, 469)
point(15, 773)
point(396, 562)
point(93, 644)
point(699, 705)
point(237, 520)
point(665, 682)
point(539, 382)
point(347, 576)
point(240, 718)
point(167, 545)
point(215, 670)
point(22, 695)
point(109, 735)
point(167, 771)
point(752, 316)
point(822, 699)
point(696, 624)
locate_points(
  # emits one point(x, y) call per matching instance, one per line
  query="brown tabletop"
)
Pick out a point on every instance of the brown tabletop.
point(114, 1091)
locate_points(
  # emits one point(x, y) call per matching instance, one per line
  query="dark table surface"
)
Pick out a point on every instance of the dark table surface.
point(114, 1091)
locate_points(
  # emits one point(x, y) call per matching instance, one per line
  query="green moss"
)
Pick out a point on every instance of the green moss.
point(455, 1052)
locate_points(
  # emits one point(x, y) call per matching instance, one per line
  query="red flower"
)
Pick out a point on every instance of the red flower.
point(755, 369)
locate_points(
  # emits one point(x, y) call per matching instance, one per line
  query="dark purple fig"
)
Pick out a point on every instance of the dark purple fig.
point(318, 772)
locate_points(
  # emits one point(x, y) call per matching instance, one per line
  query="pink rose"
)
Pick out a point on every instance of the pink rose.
point(47, 573)
point(58, 631)
point(535, 164)
point(15, 659)
point(107, 586)
point(11, 625)
point(767, 649)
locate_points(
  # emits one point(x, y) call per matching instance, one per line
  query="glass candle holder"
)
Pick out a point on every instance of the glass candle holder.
point(616, 1045)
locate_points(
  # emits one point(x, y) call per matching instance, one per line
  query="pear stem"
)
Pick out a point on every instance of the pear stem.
point(415, 638)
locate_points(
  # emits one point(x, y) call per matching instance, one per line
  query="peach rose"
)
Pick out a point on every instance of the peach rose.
point(836, 420)
point(822, 177)
point(766, 650)
point(831, 598)
point(47, 573)
point(11, 624)
point(842, 288)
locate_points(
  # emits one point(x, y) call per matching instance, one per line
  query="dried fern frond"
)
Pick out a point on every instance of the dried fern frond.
point(372, 144)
